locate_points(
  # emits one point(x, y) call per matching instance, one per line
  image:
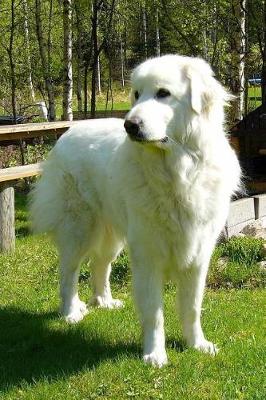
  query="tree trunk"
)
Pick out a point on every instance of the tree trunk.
point(79, 88)
point(243, 40)
point(27, 44)
point(144, 25)
point(158, 42)
point(86, 71)
point(263, 71)
point(79, 55)
point(99, 76)
point(95, 56)
point(205, 34)
point(238, 51)
point(68, 80)
point(11, 63)
point(13, 76)
point(122, 60)
point(45, 65)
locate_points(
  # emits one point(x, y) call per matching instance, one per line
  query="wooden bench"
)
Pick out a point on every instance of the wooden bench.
point(13, 133)
point(9, 175)
point(7, 202)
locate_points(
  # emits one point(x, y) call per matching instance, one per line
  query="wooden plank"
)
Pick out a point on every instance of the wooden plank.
point(24, 171)
point(24, 131)
point(7, 218)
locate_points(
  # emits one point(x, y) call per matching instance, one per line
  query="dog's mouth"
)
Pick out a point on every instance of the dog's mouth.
point(134, 129)
point(142, 139)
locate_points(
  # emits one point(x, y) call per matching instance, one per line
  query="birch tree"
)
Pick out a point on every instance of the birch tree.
point(78, 15)
point(46, 72)
point(258, 12)
point(27, 47)
point(68, 79)
point(157, 27)
point(238, 52)
point(10, 52)
point(144, 29)
point(98, 6)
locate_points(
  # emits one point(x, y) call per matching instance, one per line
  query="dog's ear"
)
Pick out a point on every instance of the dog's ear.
point(196, 93)
point(205, 91)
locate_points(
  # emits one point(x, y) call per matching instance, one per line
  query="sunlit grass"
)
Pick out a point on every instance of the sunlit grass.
point(41, 357)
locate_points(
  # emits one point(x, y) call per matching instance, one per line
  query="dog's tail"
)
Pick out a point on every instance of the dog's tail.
point(46, 199)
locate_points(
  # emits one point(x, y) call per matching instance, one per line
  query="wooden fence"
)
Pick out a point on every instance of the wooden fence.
point(242, 211)
point(11, 134)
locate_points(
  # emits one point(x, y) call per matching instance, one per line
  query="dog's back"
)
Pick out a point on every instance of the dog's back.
point(76, 165)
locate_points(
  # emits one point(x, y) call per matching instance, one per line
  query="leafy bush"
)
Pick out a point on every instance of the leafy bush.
point(235, 264)
point(244, 250)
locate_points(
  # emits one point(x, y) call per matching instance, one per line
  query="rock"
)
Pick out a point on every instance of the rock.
point(240, 234)
point(222, 262)
point(264, 250)
point(255, 229)
point(262, 265)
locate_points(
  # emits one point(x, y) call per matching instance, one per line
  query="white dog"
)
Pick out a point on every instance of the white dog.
point(162, 185)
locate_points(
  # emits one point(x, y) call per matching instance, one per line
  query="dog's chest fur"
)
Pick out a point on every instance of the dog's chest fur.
point(173, 189)
point(174, 200)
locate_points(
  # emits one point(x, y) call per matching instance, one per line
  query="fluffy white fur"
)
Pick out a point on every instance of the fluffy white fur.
point(167, 197)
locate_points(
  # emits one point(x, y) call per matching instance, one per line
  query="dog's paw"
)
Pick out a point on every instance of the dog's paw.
point(101, 302)
point(206, 347)
point(156, 358)
point(77, 313)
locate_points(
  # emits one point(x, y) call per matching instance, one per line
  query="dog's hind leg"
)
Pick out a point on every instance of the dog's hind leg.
point(100, 265)
point(72, 308)
point(73, 242)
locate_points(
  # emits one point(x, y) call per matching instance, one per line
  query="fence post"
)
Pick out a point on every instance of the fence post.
point(7, 217)
point(260, 207)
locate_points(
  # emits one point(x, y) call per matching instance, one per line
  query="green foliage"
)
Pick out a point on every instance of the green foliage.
point(243, 250)
point(197, 27)
point(235, 264)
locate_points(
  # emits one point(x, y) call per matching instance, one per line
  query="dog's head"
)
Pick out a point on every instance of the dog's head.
point(168, 94)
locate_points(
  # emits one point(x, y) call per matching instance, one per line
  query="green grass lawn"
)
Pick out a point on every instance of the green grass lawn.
point(254, 97)
point(41, 357)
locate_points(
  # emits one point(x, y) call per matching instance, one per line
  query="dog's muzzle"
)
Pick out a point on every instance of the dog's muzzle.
point(134, 129)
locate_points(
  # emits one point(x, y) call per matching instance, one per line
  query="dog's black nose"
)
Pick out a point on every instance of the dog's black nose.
point(132, 126)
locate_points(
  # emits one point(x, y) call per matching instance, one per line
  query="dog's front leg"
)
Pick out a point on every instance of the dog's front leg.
point(191, 289)
point(147, 286)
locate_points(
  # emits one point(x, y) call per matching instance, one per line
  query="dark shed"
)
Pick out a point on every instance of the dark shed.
point(248, 136)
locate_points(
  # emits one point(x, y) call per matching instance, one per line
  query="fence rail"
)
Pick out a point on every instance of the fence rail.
point(26, 131)
point(242, 211)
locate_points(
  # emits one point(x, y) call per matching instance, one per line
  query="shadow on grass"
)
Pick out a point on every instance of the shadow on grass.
point(22, 231)
point(178, 345)
point(30, 350)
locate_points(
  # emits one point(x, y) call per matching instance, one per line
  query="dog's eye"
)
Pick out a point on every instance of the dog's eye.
point(136, 94)
point(162, 93)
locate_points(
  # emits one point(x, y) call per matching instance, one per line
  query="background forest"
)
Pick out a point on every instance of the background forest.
point(69, 59)
point(78, 54)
